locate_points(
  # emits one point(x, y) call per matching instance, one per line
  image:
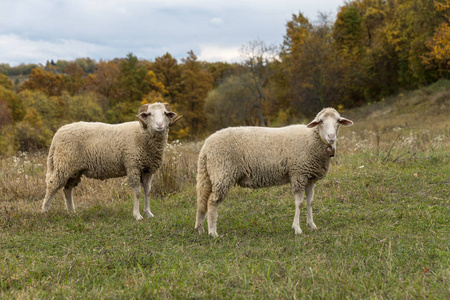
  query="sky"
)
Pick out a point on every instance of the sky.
point(37, 31)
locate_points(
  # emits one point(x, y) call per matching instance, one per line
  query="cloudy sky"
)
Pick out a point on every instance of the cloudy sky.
point(34, 31)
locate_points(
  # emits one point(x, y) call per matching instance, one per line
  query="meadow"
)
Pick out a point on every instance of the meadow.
point(383, 214)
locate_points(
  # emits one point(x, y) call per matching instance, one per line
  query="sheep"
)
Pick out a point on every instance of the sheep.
point(101, 151)
point(257, 157)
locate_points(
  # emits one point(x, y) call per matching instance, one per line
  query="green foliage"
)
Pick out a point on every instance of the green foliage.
point(197, 82)
point(52, 110)
point(168, 72)
point(5, 82)
point(133, 80)
point(83, 107)
point(347, 28)
point(15, 103)
point(221, 103)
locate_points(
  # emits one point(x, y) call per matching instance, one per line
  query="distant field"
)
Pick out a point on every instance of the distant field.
point(383, 214)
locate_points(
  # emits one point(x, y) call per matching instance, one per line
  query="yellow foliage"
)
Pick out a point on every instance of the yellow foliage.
point(152, 97)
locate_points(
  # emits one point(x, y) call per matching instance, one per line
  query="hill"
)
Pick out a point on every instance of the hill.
point(383, 213)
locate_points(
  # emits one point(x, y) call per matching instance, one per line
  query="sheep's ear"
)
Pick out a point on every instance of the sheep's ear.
point(167, 106)
point(345, 122)
point(313, 123)
point(174, 120)
point(143, 108)
point(141, 118)
point(171, 114)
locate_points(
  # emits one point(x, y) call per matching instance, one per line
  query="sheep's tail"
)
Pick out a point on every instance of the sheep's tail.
point(203, 184)
point(50, 164)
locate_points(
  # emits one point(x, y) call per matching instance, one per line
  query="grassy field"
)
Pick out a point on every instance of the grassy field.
point(383, 214)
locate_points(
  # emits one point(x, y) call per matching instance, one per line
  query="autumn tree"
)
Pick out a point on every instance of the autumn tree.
point(16, 108)
point(196, 82)
point(135, 82)
point(132, 80)
point(314, 64)
point(438, 46)
point(257, 57)
point(230, 104)
point(105, 82)
point(410, 26)
point(74, 78)
point(5, 82)
point(169, 73)
point(47, 82)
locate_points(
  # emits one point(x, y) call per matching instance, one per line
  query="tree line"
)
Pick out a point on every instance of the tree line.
point(372, 49)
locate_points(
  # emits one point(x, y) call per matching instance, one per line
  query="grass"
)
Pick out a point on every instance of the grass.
point(383, 214)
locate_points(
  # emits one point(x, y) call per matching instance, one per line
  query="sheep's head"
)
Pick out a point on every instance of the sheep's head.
point(157, 116)
point(328, 121)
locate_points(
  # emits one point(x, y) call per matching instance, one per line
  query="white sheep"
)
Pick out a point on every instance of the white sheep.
point(258, 157)
point(102, 151)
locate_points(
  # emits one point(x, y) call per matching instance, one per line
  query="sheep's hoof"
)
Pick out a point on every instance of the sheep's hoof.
point(200, 230)
point(213, 234)
point(298, 230)
point(138, 217)
point(148, 214)
point(312, 226)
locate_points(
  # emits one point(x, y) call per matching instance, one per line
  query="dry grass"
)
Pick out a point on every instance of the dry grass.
point(22, 180)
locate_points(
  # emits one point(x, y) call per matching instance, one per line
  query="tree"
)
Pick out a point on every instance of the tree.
point(5, 82)
point(105, 82)
point(135, 82)
point(74, 77)
point(47, 82)
point(410, 26)
point(347, 28)
point(168, 72)
point(15, 104)
point(230, 104)
point(132, 80)
point(438, 46)
point(257, 58)
point(196, 82)
point(296, 32)
point(5, 114)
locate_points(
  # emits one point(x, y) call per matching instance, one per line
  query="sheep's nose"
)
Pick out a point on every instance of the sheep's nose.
point(159, 124)
point(331, 137)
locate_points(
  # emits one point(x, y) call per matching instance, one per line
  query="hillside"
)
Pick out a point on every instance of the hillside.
point(382, 211)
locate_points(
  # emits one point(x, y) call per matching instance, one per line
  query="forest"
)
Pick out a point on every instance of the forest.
point(370, 50)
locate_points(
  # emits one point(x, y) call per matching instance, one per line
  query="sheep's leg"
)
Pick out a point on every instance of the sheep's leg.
point(69, 201)
point(147, 184)
point(212, 216)
point(134, 181)
point(203, 194)
point(68, 188)
point(200, 220)
point(298, 195)
point(137, 194)
point(217, 195)
point(219, 189)
point(309, 199)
